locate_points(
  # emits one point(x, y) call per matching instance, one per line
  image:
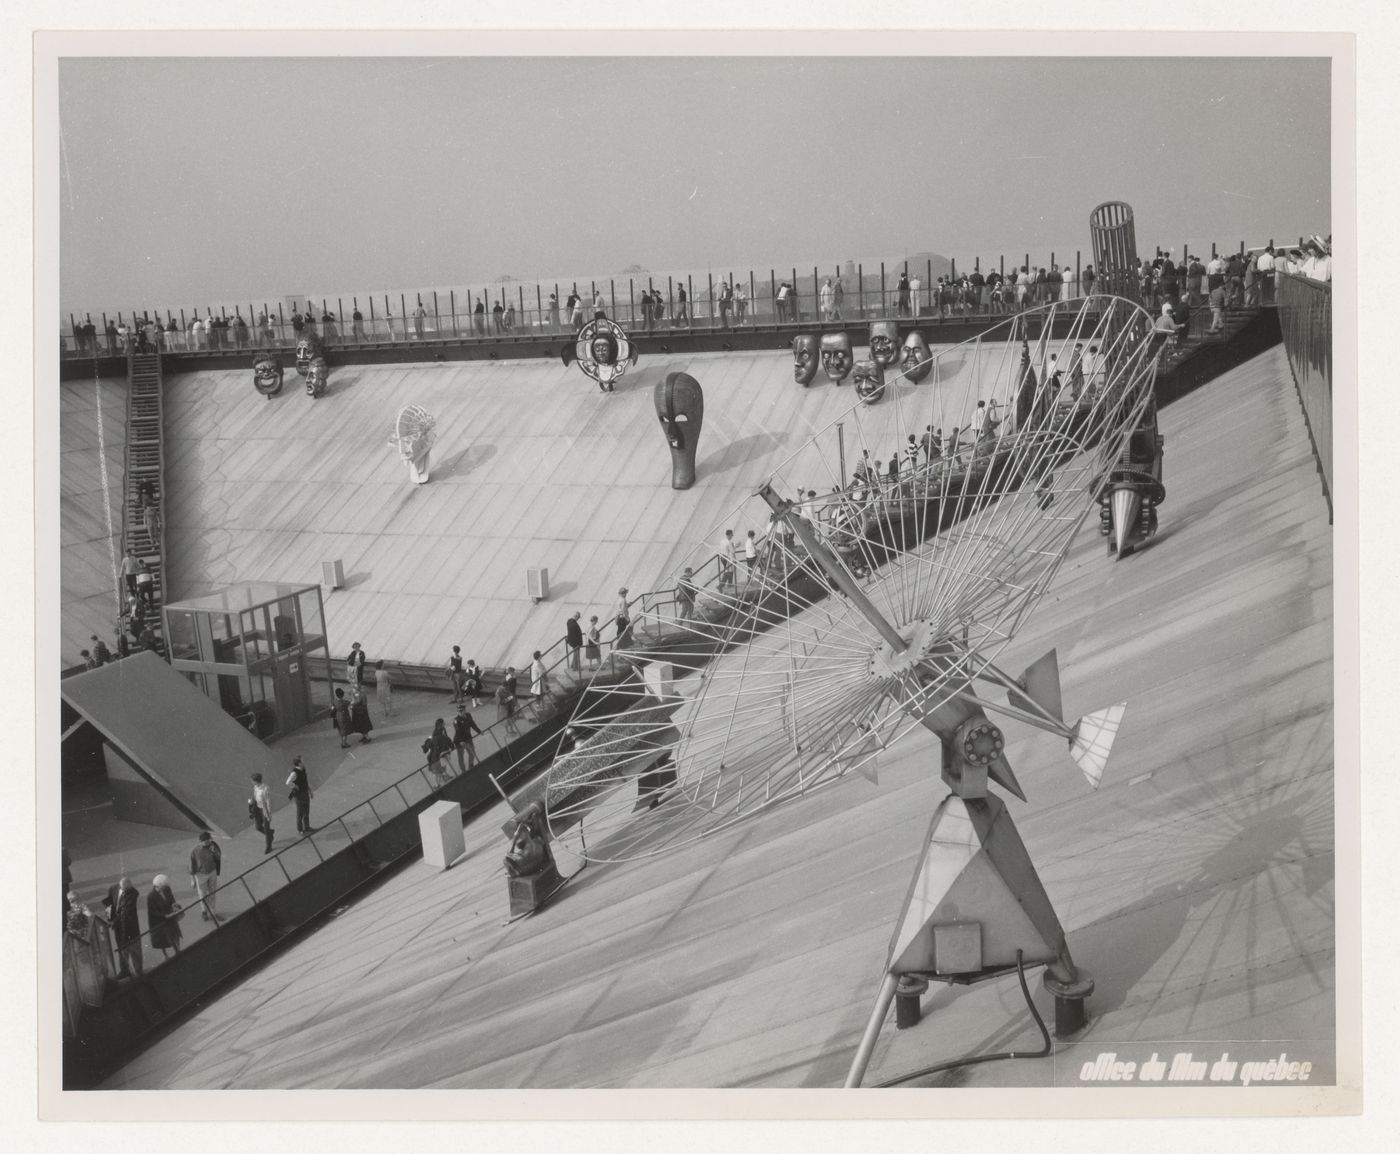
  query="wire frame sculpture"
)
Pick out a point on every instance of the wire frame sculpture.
point(413, 437)
point(790, 688)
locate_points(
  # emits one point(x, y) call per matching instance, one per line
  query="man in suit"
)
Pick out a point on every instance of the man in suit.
point(573, 638)
point(123, 905)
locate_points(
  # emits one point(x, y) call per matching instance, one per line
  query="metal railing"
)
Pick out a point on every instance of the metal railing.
point(1305, 319)
point(87, 968)
point(515, 309)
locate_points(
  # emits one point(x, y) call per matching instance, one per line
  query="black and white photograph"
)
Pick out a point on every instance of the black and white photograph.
point(696, 562)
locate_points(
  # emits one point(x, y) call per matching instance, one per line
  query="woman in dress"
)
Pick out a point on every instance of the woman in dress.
point(592, 648)
point(359, 714)
point(163, 914)
point(437, 746)
point(383, 690)
point(539, 679)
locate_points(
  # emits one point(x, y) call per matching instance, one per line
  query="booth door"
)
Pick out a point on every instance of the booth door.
point(293, 694)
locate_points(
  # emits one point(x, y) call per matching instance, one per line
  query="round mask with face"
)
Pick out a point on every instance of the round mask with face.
point(915, 359)
point(836, 356)
point(804, 358)
point(884, 341)
point(869, 378)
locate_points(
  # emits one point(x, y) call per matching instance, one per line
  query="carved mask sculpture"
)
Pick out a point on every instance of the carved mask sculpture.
point(884, 342)
point(804, 358)
point(915, 360)
point(309, 347)
point(680, 406)
point(603, 350)
point(316, 374)
point(869, 378)
point(836, 356)
point(267, 374)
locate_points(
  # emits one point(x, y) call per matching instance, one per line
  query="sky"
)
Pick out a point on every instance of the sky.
point(185, 181)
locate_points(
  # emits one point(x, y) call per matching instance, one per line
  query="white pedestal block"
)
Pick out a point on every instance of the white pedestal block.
point(440, 827)
point(659, 677)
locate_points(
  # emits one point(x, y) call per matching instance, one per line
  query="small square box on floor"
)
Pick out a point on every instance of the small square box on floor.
point(440, 827)
point(537, 585)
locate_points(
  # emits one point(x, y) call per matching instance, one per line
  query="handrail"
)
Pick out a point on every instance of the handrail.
point(868, 289)
point(1305, 320)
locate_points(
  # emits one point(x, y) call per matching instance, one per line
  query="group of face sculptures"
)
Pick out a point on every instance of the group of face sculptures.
point(838, 359)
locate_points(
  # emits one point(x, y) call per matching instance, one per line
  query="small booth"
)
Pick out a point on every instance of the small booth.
point(258, 649)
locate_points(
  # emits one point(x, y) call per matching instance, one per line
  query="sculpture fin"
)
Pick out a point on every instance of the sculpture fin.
point(1041, 685)
point(1092, 739)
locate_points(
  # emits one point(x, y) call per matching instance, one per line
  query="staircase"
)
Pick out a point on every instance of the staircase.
point(1197, 338)
point(143, 512)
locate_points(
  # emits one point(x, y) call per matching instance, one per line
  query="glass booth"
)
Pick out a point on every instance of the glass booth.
point(258, 649)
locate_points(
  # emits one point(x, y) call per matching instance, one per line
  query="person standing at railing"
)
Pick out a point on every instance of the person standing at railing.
point(355, 665)
point(383, 689)
point(77, 919)
point(300, 784)
point(505, 702)
point(902, 295)
point(357, 326)
point(573, 641)
point(419, 315)
point(123, 906)
point(437, 745)
point(539, 679)
point(340, 711)
point(456, 674)
point(463, 728)
point(163, 913)
point(1217, 308)
point(260, 808)
point(359, 714)
point(741, 305)
point(593, 649)
point(1234, 280)
point(554, 325)
point(206, 861)
point(750, 553)
point(599, 306)
point(471, 684)
point(685, 596)
point(780, 302)
point(623, 620)
point(1264, 271)
point(682, 309)
point(509, 320)
point(726, 559)
point(826, 301)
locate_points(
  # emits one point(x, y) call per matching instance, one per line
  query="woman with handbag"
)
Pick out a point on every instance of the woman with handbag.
point(163, 914)
point(437, 746)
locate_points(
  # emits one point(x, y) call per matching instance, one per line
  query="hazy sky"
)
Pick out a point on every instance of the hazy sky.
point(185, 181)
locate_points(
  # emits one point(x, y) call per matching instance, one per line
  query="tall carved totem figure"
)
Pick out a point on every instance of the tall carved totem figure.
point(680, 407)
